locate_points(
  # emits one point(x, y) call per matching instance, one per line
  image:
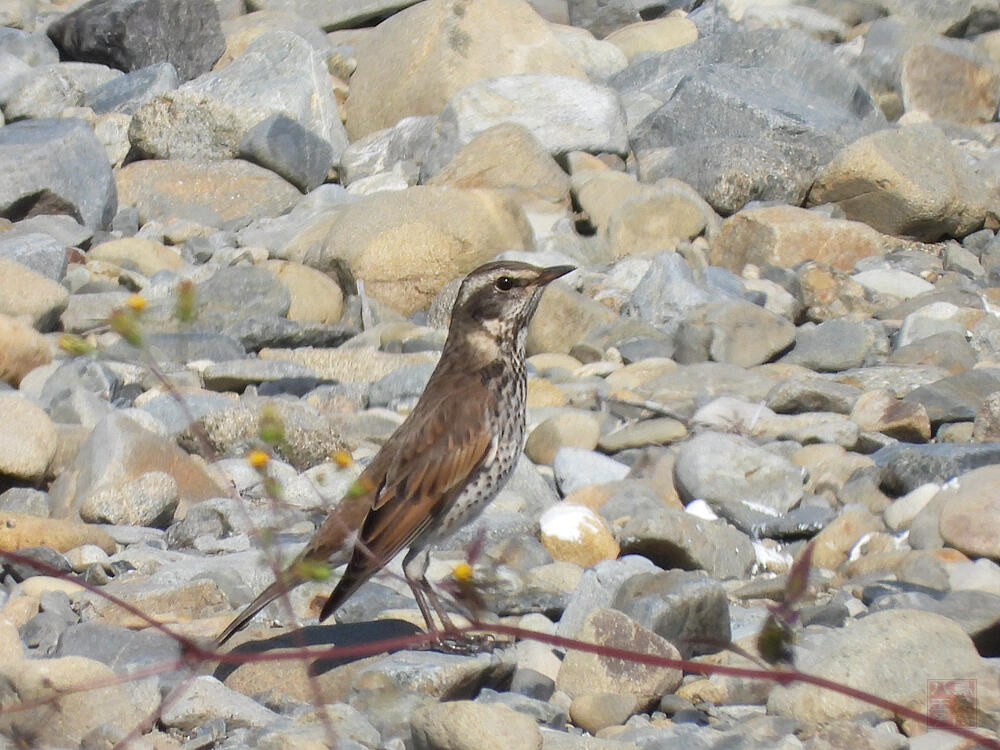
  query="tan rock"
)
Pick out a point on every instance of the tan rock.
point(599, 192)
point(407, 244)
point(969, 519)
point(654, 221)
point(22, 349)
point(144, 255)
point(542, 392)
point(507, 157)
point(212, 192)
point(25, 292)
point(658, 35)
point(65, 721)
point(412, 63)
point(785, 236)
point(469, 725)
point(594, 712)
point(19, 530)
point(573, 428)
point(833, 543)
point(831, 293)
point(947, 86)
point(315, 296)
point(27, 440)
point(11, 649)
point(880, 411)
point(576, 534)
point(564, 318)
point(165, 603)
point(584, 673)
point(909, 181)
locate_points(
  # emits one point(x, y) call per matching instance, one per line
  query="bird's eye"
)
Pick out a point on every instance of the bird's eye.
point(504, 283)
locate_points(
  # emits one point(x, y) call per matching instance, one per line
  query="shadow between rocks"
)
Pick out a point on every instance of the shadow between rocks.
point(346, 634)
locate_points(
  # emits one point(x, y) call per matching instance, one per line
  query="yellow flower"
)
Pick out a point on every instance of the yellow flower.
point(462, 572)
point(136, 302)
point(343, 459)
point(258, 459)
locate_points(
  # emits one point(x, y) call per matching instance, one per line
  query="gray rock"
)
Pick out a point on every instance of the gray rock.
point(39, 252)
point(54, 562)
point(339, 14)
point(284, 146)
point(906, 467)
point(129, 92)
point(120, 648)
point(132, 34)
point(85, 312)
point(237, 374)
point(730, 172)
point(797, 395)
point(55, 166)
point(598, 588)
point(33, 49)
point(64, 229)
point(687, 608)
point(803, 521)
point(41, 633)
point(25, 500)
point(208, 118)
point(83, 373)
point(834, 345)
point(406, 142)
point(724, 469)
point(207, 698)
point(469, 725)
point(601, 18)
point(576, 467)
point(47, 90)
point(732, 331)
point(545, 714)
point(401, 386)
point(309, 435)
point(179, 347)
point(258, 331)
point(958, 397)
point(564, 114)
point(675, 539)
point(148, 500)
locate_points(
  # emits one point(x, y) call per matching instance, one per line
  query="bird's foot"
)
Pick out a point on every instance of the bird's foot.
point(464, 644)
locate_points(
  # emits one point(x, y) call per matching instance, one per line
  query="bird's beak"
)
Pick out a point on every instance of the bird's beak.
point(551, 274)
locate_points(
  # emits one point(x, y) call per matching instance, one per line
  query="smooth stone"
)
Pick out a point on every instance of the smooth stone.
point(20, 530)
point(584, 673)
point(834, 345)
point(877, 652)
point(236, 375)
point(893, 282)
point(956, 397)
point(879, 411)
point(835, 541)
point(24, 292)
point(811, 394)
point(946, 85)
point(144, 255)
point(284, 146)
point(28, 441)
point(577, 429)
point(207, 698)
point(212, 193)
point(597, 589)
point(656, 431)
point(737, 333)
point(22, 349)
point(576, 534)
point(127, 93)
point(576, 467)
point(471, 725)
point(968, 513)
point(722, 469)
point(49, 90)
point(410, 65)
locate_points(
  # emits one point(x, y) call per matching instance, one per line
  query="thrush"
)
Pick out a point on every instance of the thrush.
point(447, 460)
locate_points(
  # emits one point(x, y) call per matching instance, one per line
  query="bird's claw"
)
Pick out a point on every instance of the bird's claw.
point(465, 644)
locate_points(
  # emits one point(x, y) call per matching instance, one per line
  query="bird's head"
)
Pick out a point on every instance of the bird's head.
point(500, 298)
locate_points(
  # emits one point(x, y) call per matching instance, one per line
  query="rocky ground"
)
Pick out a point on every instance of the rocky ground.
point(784, 327)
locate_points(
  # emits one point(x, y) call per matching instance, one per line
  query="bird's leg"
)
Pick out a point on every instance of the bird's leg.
point(414, 569)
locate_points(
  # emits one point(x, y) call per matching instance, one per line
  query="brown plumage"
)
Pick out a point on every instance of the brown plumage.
point(449, 458)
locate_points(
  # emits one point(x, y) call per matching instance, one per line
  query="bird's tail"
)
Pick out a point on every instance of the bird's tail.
point(268, 595)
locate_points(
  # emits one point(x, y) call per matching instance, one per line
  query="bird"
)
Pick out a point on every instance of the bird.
point(448, 459)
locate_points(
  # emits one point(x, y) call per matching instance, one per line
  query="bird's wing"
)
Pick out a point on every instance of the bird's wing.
point(432, 462)
point(429, 461)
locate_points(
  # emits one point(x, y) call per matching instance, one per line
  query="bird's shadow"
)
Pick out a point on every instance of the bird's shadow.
point(344, 635)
